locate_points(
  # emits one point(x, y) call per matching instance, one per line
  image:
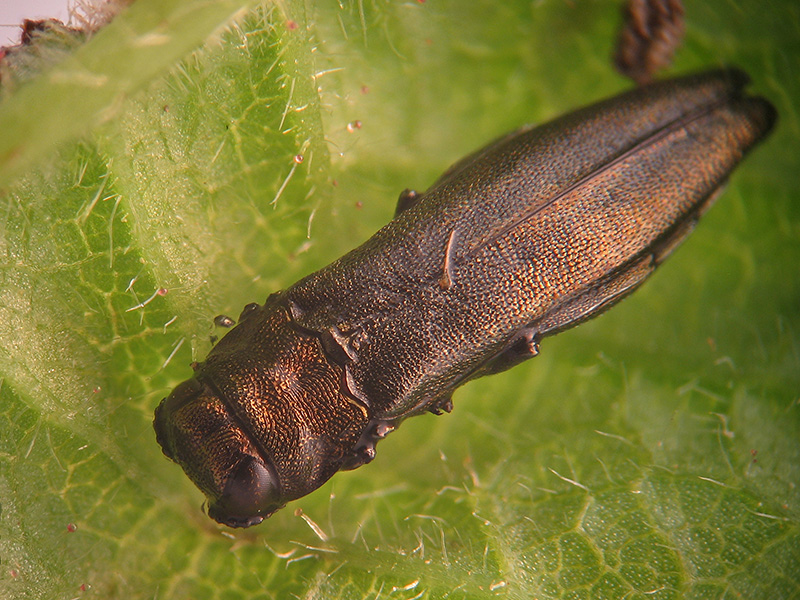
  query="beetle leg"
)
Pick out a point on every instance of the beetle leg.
point(441, 405)
point(364, 450)
point(248, 311)
point(224, 321)
point(523, 346)
point(361, 455)
point(407, 199)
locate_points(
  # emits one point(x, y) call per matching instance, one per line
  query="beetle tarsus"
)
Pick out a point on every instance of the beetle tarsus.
point(364, 450)
point(248, 310)
point(224, 321)
point(523, 346)
point(442, 405)
point(407, 199)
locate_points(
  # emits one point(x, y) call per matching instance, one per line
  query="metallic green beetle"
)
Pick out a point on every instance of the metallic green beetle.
point(539, 231)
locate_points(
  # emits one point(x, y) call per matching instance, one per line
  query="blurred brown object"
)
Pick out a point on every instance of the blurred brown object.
point(652, 31)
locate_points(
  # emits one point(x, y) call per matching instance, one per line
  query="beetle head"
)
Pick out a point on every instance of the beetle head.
point(264, 421)
point(197, 431)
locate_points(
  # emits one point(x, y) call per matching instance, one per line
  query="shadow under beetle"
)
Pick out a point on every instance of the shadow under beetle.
point(540, 230)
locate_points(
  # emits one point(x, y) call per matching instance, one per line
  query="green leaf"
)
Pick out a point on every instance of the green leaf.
point(649, 454)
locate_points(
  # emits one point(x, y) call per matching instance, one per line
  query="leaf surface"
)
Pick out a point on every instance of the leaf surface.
point(649, 454)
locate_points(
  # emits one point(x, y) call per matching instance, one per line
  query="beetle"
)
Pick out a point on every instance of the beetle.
point(529, 236)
